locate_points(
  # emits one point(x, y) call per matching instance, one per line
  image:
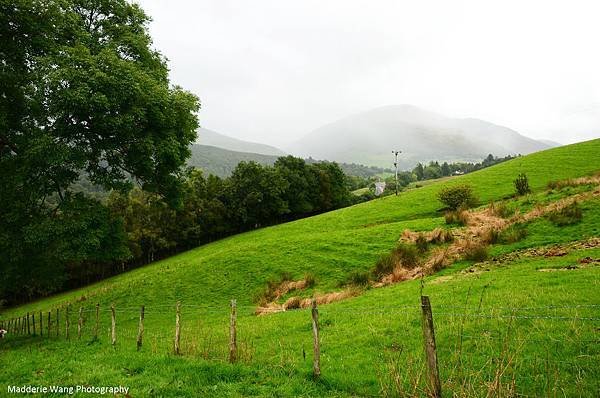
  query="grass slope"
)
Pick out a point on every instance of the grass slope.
point(365, 338)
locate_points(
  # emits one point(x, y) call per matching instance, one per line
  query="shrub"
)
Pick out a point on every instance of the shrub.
point(421, 243)
point(522, 184)
point(476, 252)
point(568, 215)
point(457, 196)
point(513, 234)
point(406, 255)
point(358, 278)
point(384, 266)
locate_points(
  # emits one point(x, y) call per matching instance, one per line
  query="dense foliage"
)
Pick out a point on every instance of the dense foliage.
point(81, 91)
point(254, 196)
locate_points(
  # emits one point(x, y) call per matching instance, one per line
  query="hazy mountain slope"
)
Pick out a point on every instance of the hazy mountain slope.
point(221, 162)
point(369, 138)
point(212, 138)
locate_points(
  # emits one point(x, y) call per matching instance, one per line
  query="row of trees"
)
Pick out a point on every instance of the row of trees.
point(435, 170)
point(253, 197)
point(86, 240)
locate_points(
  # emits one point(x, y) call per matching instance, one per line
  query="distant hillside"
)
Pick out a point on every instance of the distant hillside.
point(214, 139)
point(221, 162)
point(370, 137)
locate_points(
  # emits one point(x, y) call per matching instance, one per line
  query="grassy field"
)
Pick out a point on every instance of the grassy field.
point(523, 326)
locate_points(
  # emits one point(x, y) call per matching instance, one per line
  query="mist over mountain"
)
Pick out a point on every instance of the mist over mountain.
point(369, 138)
point(212, 138)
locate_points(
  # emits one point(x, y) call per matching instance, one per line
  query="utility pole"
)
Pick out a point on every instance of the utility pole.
point(396, 166)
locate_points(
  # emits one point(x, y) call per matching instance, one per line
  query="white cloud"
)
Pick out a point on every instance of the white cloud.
point(273, 70)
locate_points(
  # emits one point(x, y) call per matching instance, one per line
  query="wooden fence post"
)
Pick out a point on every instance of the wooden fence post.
point(79, 323)
point(177, 327)
point(97, 325)
point(57, 322)
point(33, 322)
point(430, 349)
point(316, 346)
point(140, 335)
point(233, 333)
point(67, 321)
point(41, 325)
point(113, 332)
point(49, 323)
point(28, 326)
point(24, 325)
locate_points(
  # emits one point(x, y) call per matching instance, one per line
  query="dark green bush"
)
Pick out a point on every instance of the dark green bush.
point(457, 196)
point(358, 278)
point(568, 215)
point(522, 184)
point(406, 254)
point(384, 266)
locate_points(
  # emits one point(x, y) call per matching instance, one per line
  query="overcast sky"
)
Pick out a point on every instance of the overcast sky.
point(272, 71)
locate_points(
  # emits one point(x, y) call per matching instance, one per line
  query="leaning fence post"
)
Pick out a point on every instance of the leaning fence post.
point(79, 323)
point(177, 327)
point(49, 323)
point(67, 321)
point(113, 332)
point(57, 323)
point(28, 326)
point(316, 347)
point(97, 321)
point(33, 322)
point(140, 335)
point(430, 349)
point(233, 332)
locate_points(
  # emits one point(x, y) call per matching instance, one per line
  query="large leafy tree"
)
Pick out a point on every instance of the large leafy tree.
point(81, 91)
point(255, 195)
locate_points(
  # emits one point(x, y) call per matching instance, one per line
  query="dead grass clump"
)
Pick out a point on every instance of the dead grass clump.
point(491, 236)
point(440, 235)
point(421, 243)
point(439, 260)
point(457, 217)
point(276, 288)
point(474, 250)
point(292, 303)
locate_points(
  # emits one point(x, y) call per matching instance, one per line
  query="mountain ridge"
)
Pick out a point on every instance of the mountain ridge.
point(370, 136)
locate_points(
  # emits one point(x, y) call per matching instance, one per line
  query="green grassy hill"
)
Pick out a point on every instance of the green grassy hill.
point(371, 343)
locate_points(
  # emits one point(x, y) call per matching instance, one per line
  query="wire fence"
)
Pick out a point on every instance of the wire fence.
point(513, 350)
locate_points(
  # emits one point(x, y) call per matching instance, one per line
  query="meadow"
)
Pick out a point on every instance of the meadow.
point(527, 326)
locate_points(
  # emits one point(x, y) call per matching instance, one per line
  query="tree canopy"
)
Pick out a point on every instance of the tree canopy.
point(81, 91)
